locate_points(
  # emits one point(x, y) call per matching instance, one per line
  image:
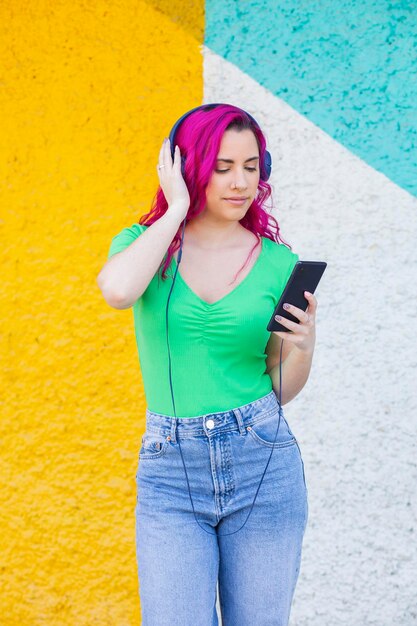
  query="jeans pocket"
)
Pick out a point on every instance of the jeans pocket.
point(264, 430)
point(153, 446)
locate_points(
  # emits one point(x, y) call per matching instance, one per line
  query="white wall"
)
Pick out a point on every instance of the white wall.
point(356, 417)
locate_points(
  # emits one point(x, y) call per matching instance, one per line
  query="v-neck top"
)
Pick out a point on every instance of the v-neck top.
point(218, 350)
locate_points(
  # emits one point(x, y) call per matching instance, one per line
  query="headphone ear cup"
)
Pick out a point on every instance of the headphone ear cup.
point(267, 165)
point(183, 159)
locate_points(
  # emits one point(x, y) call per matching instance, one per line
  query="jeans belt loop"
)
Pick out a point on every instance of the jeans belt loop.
point(173, 433)
point(239, 419)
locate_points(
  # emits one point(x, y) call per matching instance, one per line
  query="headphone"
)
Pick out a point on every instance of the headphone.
point(267, 171)
point(267, 161)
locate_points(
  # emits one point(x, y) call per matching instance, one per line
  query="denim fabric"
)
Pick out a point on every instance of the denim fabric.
point(179, 564)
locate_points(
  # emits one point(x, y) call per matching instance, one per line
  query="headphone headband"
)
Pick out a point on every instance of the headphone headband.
point(267, 162)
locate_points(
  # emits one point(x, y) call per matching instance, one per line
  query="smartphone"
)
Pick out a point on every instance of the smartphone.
point(304, 277)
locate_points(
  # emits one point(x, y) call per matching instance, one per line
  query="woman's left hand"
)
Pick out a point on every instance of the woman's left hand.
point(303, 335)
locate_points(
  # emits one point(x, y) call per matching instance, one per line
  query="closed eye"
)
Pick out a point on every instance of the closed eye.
point(249, 169)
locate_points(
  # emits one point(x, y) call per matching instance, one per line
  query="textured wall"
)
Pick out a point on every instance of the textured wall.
point(356, 417)
point(349, 66)
point(88, 91)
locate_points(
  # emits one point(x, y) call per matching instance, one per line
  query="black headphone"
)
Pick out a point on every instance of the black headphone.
point(267, 162)
point(267, 170)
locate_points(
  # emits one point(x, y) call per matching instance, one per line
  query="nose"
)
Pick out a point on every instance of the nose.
point(239, 181)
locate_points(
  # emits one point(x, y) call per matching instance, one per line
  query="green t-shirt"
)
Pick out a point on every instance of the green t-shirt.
point(218, 358)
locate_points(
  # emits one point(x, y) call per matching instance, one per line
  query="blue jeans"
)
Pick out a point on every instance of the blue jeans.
point(179, 563)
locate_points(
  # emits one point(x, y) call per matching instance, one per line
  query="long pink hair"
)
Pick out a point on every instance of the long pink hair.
point(198, 138)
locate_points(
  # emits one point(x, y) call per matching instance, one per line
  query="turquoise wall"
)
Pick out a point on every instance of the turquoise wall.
point(349, 66)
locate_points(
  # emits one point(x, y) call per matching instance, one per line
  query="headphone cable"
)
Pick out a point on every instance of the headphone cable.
point(175, 414)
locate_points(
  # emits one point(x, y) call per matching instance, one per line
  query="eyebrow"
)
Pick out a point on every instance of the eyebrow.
point(255, 158)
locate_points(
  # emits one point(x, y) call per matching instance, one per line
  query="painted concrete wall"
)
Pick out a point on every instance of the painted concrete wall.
point(88, 91)
point(349, 66)
point(334, 87)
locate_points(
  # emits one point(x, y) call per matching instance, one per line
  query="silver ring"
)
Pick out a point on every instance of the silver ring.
point(160, 166)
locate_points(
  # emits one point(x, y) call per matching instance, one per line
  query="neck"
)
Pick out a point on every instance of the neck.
point(210, 233)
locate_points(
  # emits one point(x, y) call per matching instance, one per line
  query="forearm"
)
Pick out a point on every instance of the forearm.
point(295, 372)
point(126, 275)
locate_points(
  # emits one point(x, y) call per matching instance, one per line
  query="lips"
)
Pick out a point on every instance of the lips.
point(238, 201)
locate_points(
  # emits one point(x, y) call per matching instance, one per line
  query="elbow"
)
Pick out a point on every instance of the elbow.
point(114, 298)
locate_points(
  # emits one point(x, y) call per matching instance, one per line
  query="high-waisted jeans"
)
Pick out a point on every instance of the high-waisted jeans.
point(179, 564)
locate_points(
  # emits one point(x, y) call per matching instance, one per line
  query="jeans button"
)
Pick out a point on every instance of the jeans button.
point(210, 424)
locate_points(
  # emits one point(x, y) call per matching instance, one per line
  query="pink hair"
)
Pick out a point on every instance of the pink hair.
point(199, 137)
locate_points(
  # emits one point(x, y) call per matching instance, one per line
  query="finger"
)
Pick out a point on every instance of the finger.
point(162, 157)
point(283, 335)
point(298, 313)
point(177, 158)
point(168, 158)
point(293, 326)
point(161, 154)
point(287, 323)
point(312, 301)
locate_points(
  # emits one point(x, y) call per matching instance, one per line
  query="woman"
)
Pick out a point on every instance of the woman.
point(211, 452)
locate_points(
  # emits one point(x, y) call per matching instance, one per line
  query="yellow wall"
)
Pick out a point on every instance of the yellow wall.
point(88, 91)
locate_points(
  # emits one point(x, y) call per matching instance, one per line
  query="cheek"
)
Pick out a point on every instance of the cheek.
point(214, 190)
point(211, 189)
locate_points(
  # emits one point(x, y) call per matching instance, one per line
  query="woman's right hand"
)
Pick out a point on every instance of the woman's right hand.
point(171, 180)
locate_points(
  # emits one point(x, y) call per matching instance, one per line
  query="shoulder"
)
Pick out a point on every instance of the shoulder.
point(279, 252)
point(279, 258)
point(125, 237)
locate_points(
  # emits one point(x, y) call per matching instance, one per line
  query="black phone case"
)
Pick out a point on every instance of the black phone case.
point(305, 276)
